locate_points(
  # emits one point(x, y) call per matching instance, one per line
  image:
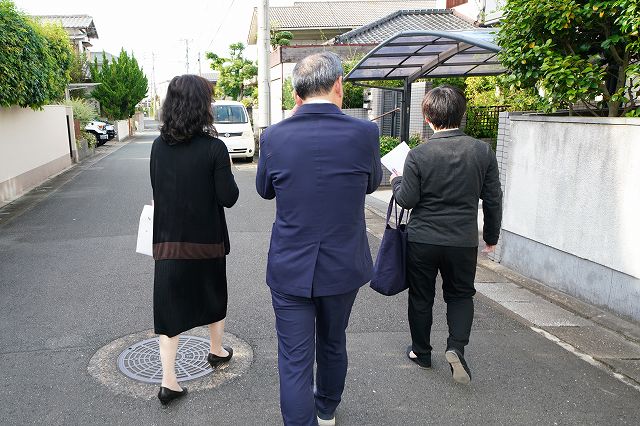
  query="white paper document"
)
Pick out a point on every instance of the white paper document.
point(394, 160)
point(145, 232)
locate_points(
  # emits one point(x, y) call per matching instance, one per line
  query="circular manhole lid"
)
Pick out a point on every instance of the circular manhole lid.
point(141, 361)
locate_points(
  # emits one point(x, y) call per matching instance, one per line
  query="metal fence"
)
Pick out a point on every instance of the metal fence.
point(482, 121)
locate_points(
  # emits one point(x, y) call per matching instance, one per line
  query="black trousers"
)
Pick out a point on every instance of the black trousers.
point(457, 265)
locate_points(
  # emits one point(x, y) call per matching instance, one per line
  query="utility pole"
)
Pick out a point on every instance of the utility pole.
point(264, 79)
point(187, 44)
point(153, 83)
point(200, 64)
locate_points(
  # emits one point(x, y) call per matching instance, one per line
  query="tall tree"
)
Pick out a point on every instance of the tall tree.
point(123, 85)
point(235, 72)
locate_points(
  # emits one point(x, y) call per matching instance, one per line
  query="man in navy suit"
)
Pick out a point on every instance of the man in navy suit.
point(319, 165)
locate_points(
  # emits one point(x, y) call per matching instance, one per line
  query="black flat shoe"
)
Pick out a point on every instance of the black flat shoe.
point(215, 360)
point(423, 362)
point(166, 395)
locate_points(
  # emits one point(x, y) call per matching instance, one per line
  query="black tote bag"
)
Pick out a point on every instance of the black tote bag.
point(389, 271)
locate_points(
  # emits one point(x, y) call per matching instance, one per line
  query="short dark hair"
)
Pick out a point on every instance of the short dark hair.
point(444, 106)
point(316, 74)
point(186, 111)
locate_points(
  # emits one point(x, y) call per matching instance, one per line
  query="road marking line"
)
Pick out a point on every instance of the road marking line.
point(588, 358)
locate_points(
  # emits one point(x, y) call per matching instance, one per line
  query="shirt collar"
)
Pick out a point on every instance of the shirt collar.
point(446, 134)
point(318, 101)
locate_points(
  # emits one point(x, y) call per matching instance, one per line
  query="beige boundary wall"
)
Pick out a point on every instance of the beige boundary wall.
point(34, 145)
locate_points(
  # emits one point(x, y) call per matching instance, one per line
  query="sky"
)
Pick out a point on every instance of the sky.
point(159, 28)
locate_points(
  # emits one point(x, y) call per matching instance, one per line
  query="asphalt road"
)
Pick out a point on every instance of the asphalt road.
point(70, 283)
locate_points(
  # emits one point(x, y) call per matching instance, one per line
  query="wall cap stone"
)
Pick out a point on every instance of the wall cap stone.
point(618, 121)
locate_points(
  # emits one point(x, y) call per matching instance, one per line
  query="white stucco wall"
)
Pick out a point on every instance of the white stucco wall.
point(33, 146)
point(575, 186)
point(278, 74)
point(122, 127)
point(29, 139)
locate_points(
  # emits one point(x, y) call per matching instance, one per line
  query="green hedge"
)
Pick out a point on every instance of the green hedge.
point(34, 60)
point(387, 143)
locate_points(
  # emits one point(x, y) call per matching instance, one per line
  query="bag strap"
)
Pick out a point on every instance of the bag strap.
point(394, 206)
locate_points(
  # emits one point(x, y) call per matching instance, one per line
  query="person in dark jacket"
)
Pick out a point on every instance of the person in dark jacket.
point(192, 184)
point(442, 183)
point(318, 165)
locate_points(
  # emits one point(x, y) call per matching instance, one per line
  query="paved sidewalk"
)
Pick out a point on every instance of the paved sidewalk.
point(594, 335)
point(71, 286)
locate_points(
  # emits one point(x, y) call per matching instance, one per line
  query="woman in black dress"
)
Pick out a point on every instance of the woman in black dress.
point(192, 183)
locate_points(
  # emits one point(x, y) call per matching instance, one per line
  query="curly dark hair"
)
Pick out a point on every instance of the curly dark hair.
point(186, 111)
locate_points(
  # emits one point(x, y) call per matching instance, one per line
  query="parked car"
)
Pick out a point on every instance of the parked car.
point(231, 120)
point(102, 130)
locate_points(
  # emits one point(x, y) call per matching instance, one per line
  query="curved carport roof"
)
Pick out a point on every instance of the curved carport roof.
point(409, 56)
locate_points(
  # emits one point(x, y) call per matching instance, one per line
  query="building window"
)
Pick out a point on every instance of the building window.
point(454, 3)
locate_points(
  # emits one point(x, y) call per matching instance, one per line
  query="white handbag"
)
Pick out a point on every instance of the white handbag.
point(145, 232)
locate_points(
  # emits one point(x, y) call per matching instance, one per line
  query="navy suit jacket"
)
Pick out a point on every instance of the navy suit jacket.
point(319, 165)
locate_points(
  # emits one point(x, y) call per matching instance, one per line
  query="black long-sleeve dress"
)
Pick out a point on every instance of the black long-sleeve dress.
point(192, 183)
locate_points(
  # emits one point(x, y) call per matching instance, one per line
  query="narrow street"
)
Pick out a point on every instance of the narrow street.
point(71, 283)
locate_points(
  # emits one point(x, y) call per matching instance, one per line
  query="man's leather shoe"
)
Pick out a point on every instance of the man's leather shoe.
point(459, 368)
point(422, 361)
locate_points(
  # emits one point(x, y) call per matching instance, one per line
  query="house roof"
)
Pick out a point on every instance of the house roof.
point(98, 57)
point(404, 20)
point(78, 22)
point(344, 15)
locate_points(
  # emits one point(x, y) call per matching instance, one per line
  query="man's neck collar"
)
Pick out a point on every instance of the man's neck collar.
point(445, 130)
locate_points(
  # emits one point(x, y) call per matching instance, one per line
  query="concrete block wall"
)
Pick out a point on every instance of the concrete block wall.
point(417, 124)
point(502, 155)
point(571, 206)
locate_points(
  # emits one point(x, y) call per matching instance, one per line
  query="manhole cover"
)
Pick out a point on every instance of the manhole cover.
point(141, 361)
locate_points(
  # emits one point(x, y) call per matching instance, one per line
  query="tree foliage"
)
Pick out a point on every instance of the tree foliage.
point(280, 38)
point(574, 51)
point(34, 60)
point(123, 85)
point(79, 71)
point(498, 91)
point(353, 94)
point(236, 73)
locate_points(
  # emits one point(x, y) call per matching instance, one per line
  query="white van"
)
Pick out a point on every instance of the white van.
point(231, 120)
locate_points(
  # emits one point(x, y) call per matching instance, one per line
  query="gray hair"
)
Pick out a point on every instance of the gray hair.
point(316, 74)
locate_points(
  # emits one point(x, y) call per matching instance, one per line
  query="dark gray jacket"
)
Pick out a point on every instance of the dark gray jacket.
point(442, 182)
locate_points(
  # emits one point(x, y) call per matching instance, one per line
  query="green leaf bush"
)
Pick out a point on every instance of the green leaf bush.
point(576, 52)
point(34, 60)
point(387, 143)
point(84, 112)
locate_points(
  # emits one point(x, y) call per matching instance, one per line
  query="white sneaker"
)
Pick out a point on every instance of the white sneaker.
point(327, 422)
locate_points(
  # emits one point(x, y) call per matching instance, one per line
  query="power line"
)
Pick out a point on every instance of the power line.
point(221, 22)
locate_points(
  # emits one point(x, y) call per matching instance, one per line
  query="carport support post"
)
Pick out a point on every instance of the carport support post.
point(405, 115)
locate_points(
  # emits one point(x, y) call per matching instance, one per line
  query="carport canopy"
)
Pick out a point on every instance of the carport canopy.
point(409, 56)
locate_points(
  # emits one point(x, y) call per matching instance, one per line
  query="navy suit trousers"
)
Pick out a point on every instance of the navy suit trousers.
point(304, 325)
